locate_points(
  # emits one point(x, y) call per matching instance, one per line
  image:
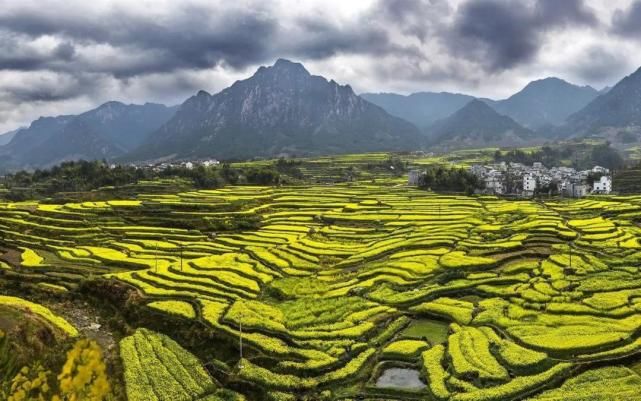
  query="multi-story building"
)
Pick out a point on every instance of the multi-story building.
point(529, 184)
point(494, 182)
point(603, 185)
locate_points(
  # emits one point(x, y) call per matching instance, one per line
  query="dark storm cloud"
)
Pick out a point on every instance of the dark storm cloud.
point(16, 53)
point(195, 37)
point(40, 94)
point(628, 22)
point(600, 66)
point(320, 36)
point(415, 18)
point(198, 36)
point(555, 13)
point(73, 52)
point(322, 39)
point(496, 34)
point(46, 87)
point(501, 34)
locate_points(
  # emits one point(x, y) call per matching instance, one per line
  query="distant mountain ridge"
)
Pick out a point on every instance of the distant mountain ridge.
point(8, 136)
point(280, 110)
point(615, 115)
point(283, 110)
point(477, 124)
point(107, 131)
point(422, 108)
point(542, 103)
point(545, 102)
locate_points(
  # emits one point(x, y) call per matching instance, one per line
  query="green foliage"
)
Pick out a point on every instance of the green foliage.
point(454, 179)
point(157, 368)
point(579, 155)
point(600, 384)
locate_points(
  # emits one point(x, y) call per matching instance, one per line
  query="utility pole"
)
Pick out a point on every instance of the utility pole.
point(181, 257)
point(240, 363)
point(156, 258)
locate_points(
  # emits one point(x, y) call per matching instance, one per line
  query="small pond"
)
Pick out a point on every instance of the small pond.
point(400, 378)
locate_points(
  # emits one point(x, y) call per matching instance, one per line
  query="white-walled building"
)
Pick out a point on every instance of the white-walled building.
point(494, 183)
point(603, 185)
point(524, 180)
point(529, 184)
point(599, 169)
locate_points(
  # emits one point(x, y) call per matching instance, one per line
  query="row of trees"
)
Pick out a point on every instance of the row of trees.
point(579, 156)
point(82, 176)
point(452, 179)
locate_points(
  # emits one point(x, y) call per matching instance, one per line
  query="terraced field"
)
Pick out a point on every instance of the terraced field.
point(328, 287)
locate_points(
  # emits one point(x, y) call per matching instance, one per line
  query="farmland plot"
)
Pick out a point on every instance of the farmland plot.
point(321, 285)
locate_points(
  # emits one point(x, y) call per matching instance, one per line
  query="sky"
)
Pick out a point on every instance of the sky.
point(68, 56)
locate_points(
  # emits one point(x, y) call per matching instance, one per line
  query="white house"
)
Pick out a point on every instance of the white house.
point(599, 169)
point(494, 183)
point(529, 184)
point(603, 185)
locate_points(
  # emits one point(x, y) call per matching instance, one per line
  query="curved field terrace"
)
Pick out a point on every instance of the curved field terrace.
point(347, 291)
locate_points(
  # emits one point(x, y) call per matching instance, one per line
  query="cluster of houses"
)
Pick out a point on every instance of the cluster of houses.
point(518, 179)
point(189, 165)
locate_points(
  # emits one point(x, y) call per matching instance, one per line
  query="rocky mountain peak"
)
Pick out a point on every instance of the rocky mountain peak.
point(281, 109)
point(285, 65)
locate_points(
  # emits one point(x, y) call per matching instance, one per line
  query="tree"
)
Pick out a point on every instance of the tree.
point(441, 178)
point(604, 155)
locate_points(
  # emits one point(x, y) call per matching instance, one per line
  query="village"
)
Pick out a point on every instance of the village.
point(521, 180)
point(162, 166)
point(517, 179)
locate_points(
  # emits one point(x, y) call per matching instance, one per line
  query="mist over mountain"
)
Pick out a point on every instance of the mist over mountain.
point(280, 110)
point(422, 108)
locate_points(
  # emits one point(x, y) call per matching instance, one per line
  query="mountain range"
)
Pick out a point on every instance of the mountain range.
point(280, 110)
point(8, 136)
point(615, 115)
point(421, 109)
point(546, 102)
point(540, 104)
point(283, 110)
point(479, 125)
point(111, 130)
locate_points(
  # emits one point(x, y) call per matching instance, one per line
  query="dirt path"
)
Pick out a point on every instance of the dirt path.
point(88, 322)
